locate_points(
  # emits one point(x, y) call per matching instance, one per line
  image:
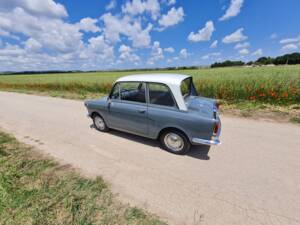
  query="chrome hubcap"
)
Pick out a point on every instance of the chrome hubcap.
point(99, 123)
point(174, 142)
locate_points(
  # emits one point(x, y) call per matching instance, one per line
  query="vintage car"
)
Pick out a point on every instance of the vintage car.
point(159, 106)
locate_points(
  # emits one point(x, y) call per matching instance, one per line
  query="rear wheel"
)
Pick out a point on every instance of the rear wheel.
point(99, 123)
point(175, 142)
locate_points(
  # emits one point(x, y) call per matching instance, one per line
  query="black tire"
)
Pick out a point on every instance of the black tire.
point(100, 126)
point(184, 144)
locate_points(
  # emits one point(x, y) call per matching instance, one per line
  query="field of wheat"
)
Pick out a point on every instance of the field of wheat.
point(275, 85)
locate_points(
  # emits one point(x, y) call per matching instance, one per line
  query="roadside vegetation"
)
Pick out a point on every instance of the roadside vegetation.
point(266, 86)
point(36, 190)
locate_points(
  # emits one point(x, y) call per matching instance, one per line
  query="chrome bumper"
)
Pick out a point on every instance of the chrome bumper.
point(199, 141)
point(215, 140)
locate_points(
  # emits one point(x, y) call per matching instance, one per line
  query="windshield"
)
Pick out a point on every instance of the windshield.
point(187, 87)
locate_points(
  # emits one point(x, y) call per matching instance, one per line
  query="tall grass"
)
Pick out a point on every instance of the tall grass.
point(278, 85)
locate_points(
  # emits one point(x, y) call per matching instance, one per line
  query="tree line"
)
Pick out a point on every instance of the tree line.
point(287, 59)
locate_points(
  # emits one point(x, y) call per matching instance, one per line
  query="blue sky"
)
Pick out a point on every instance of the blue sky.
point(115, 34)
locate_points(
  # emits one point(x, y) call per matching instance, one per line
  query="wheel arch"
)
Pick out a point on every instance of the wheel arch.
point(93, 113)
point(165, 129)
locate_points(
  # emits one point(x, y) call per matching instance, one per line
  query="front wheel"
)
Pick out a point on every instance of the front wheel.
point(99, 123)
point(175, 142)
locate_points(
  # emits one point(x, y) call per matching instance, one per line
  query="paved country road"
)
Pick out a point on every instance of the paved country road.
point(252, 178)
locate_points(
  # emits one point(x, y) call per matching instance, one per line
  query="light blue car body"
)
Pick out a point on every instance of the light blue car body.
point(198, 122)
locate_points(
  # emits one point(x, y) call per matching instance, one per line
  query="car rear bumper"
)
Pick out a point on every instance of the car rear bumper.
point(215, 140)
point(199, 141)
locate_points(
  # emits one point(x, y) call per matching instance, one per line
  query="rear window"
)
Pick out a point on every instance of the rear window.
point(187, 87)
point(160, 94)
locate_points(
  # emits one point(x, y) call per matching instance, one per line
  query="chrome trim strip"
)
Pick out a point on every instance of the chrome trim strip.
point(206, 142)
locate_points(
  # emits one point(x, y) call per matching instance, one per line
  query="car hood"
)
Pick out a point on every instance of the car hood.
point(202, 105)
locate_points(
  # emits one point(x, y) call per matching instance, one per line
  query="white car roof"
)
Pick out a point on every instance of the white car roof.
point(173, 81)
point(166, 78)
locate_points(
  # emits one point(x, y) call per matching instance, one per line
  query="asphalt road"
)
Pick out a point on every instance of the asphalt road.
point(252, 178)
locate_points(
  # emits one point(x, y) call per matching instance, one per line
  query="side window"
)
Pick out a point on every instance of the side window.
point(160, 94)
point(133, 91)
point(115, 94)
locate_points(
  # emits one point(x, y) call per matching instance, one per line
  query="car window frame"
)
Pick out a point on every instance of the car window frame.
point(111, 92)
point(126, 101)
point(156, 105)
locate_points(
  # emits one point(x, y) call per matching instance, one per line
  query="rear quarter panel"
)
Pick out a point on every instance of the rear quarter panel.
point(191, 123)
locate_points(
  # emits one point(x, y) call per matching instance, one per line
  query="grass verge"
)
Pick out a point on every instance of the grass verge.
point(36, 190)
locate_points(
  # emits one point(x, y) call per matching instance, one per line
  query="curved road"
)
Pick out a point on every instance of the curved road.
point(252, 178)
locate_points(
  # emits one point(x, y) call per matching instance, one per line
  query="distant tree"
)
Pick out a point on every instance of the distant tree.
point(287, 59)
point(290, 59)
point(227, 63)
point(264, 61)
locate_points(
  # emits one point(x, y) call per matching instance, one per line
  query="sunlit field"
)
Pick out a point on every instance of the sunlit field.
point(276, 85)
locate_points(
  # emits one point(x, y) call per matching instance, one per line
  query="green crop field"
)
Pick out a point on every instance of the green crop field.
point(276, 85)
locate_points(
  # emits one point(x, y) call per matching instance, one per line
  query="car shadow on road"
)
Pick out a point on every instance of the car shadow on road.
point(198, 152)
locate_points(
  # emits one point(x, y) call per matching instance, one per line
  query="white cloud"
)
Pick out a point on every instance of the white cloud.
point(156, 53)
point(136, 7)
point(273, 36)
point(50, 42)
point(236, 36)
point(111, 5)
point(244, 51)
point(233, 10)
point(173, 17)
point(53, 34)
point(45, 8)
point(258, 52)
point(203, 34)
point(214, 44)
point(126, 54)
point(289, 48)
point(98, 47)
point(114, 26)
point(290, 40)
point(169, 49)
point(211, 55)
point(32, 45)
point(290, 44)
point(183, 53)
point(242, 45)
point(89, 25)
point(171, 2)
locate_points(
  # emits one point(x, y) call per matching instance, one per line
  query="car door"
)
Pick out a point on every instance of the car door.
point(127, 109)
point(162, 108)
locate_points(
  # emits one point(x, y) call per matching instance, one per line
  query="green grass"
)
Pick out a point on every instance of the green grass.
point(35, 190)
point(276, 85)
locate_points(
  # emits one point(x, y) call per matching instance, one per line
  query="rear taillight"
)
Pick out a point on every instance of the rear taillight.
point(216, 128)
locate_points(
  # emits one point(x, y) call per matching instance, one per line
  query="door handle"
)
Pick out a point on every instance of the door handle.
point(141, 110)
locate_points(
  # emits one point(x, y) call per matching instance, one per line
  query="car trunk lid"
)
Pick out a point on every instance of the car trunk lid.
point(206, 106)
